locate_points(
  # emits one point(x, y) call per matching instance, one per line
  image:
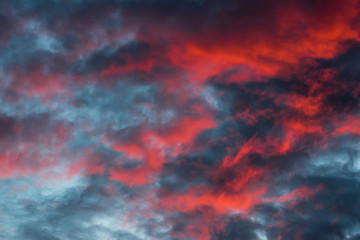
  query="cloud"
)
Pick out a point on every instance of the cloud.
point(196, 119)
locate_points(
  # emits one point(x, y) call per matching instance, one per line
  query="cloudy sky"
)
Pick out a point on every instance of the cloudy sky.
point(179, 119)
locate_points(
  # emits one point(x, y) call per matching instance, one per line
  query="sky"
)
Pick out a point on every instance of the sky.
point(179, 120)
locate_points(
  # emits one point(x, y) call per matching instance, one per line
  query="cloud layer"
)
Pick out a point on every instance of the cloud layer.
point(195, 119)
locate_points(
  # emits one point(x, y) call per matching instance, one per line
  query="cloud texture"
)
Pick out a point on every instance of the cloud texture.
point(183, 119)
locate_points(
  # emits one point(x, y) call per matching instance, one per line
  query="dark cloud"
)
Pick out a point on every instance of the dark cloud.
point(237, 228)
point(103, 59)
